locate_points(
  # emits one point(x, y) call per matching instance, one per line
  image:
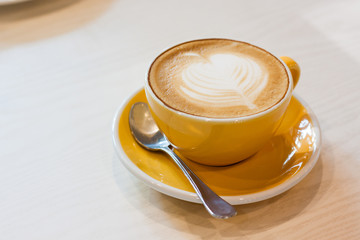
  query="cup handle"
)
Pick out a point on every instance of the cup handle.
point(294, 69)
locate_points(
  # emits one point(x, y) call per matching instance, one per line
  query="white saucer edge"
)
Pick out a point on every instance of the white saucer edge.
point(192, 197)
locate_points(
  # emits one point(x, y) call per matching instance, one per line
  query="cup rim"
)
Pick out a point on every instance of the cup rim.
point(149, 90)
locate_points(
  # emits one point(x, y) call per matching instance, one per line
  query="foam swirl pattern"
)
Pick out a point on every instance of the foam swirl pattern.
point(218, 78)
point(223, 79)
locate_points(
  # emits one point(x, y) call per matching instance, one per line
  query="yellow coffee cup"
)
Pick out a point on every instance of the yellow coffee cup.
point(221, 141)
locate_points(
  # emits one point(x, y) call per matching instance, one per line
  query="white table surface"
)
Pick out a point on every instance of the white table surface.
point(66, 65)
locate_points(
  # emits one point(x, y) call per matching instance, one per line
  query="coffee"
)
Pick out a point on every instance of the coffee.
point(218, 78)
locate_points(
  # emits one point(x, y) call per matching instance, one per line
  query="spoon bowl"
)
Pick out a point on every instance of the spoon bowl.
point(144, 128)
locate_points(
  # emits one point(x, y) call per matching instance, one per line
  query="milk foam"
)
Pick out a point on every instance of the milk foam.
point(218, 78)
point(223, 79)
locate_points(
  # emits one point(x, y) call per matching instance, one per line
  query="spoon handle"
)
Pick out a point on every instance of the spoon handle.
point(214, 204)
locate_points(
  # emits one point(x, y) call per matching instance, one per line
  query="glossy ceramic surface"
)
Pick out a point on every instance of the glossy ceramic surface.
point(221, 141)
point(286, 159)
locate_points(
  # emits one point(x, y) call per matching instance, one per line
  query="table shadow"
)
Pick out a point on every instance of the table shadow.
point(251, 219)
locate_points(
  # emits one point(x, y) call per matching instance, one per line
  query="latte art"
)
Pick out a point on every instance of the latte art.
point(218, 78)
point(223, 79)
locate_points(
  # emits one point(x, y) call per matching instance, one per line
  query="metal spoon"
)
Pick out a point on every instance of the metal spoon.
point(148, 135)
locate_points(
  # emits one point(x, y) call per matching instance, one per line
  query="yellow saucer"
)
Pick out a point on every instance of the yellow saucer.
point(287, 158)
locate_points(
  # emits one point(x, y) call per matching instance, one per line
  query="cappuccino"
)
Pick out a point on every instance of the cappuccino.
point(218, 78)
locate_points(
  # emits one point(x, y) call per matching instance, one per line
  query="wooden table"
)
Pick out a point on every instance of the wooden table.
point(66, 65)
